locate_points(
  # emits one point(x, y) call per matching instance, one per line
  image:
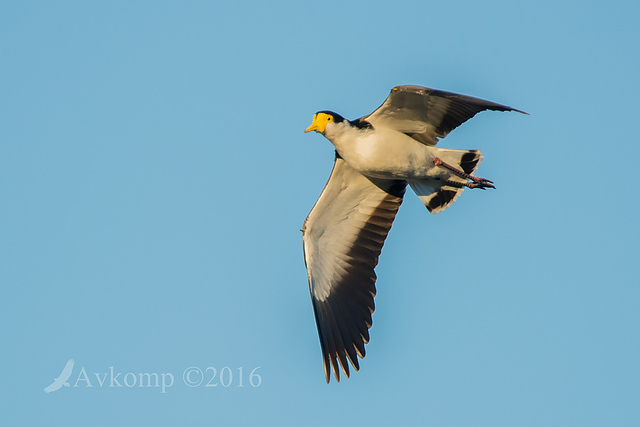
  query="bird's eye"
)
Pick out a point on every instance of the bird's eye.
point(329, 118)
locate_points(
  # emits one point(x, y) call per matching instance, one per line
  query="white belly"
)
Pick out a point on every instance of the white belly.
point(386, 154)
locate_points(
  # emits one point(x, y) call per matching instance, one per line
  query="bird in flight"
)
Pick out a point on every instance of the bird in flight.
point(376, 157)
point(62, 378)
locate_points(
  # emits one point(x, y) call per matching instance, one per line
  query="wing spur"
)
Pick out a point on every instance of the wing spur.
point(342, 240)
point(428, 114)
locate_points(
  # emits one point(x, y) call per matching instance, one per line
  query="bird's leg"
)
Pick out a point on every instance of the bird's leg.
point(476, 182)
point(459, 184)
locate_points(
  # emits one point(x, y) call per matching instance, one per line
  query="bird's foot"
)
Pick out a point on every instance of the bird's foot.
point(476, 182)
point(479, 183)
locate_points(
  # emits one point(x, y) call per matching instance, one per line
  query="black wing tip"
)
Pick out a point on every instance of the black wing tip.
point(427, 90)
point(335, 365)
point(506, 108)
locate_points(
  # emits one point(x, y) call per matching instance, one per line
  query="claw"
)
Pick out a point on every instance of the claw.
point(480, 185)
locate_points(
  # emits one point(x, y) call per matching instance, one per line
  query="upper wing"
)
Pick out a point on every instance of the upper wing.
point(427, 114)
point(342, 239)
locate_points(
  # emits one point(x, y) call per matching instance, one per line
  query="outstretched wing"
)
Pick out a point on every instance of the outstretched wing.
point(428, 114)
point(342, 240)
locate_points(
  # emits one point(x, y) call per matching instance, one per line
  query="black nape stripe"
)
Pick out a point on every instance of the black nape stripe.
point(361, 123)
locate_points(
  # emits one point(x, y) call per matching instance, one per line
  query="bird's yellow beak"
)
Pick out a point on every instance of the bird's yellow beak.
point(314, 125)
point(319, 123)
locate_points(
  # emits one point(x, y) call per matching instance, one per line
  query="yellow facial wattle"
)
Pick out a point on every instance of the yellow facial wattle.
point(319, 123)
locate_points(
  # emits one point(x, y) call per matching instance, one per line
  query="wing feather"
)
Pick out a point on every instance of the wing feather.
point(342, 240)
point(428, 114)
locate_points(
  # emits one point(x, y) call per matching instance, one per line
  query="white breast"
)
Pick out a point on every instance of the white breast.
point(381, 153)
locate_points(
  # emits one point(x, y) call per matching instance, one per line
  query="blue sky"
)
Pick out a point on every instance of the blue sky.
point(155, 176)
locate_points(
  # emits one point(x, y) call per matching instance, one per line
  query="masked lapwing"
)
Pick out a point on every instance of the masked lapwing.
point(376, 157)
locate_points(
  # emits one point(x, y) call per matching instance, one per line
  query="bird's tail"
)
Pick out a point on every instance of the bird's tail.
point(438, 195)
